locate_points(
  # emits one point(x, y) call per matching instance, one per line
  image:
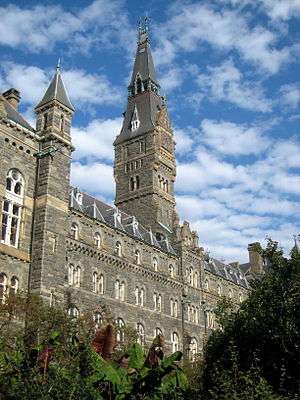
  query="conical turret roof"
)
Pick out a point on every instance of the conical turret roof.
point(56, 91)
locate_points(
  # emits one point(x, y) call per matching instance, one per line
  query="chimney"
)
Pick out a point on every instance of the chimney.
point(13, 97)
point(255, 258)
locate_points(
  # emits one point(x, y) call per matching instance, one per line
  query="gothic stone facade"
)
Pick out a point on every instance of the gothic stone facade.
point(135, 258)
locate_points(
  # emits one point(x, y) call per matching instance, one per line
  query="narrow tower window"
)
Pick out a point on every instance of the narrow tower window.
point(62, 123)
point(135, 121)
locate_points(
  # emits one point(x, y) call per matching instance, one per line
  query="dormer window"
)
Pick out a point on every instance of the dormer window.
point(135, 122)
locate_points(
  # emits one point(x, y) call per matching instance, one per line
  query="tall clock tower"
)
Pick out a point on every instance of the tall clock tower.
point(145, 167)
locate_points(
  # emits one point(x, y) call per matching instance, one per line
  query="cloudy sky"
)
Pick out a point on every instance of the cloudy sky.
point(230, 71)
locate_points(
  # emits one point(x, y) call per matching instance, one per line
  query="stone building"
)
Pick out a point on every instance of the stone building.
point(135, 258)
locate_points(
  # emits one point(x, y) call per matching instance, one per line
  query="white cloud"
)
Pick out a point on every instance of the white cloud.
point(183, 140)
point(281, 9)
point(95, 141)
point(40, 28)
point(233, 139)
point(82, 87)
point(171, 79)
point(226, 82)
point(290, 95)
point(190, 25)
point(96, 178)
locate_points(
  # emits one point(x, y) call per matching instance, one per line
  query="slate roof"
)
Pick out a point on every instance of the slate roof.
point(56, 91)
point(13, 115)
point(143, 63)
point(148, 105)
point(116, 218)
point(229, 272)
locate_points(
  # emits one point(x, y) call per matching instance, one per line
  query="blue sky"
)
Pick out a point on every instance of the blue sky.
point(230, 71)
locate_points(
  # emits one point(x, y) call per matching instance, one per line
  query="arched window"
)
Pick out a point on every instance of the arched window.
point(3, 287)
point(193, 349)
point(77, 276)
point(206, 285)
point(240, 298)
point(157, 302)
point(138, 84)
point(62, 123)
point(73, 312)
point(157, 332)
point(122, 291)
point(12, 208)
point(137, 182)
point(132, 184)
point(176, 308)
point(155, 264)
point(137, 257)
point(219, 290)
point(175, 342)
point(140, 333)
point(120, 324)
point(117, 290)
point(74, 231)
point(101, 284)
point(196, 279)
point(171, 271)
point(118, 249)
point(188, 312)
point(14, 285)
point(71, 274)
point(45, 122)
point(98, 320)
point(142, 297)
point(230, 293)
point(191, 276)
point(137, 295)
point(97, 240)
point(95, 282)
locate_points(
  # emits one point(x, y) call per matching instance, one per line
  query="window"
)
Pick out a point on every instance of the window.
point(210, 319)
point(219, 290)
point(98, 320)
point(193, 349)
point(134, 183)
point(171, 271)
point(136, 293)
point(14, 285)
point(196, 279)
point(174, 308)
point(97, 240)
point(62, 123)
point(73, 312)
point(120, 290)
point(45, 122)
point(138, 84)
point(118, 249)
point(137, 257)
point(206, 285)
point(175, 342)
point(95, 282)
point(74, 275)
point(140, 333)
point(3, 287)
point(135, 121)
point(157, 302)
point(120, 324)
point(139, 296)
point(155, 264)
point(142, 297)
point(74, 231)
point(101, 284)
point(230, 294)
point(157, 332)
point(190, 276)
point(12, 208)
point(240, 298)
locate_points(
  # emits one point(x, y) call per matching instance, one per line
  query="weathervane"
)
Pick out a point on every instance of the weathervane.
point(143, 29)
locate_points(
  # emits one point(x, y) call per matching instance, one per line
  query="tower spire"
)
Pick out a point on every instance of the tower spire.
point(143, 30)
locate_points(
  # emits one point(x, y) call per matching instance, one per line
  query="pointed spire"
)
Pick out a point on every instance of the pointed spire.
point(143, 65)
point(56, 91)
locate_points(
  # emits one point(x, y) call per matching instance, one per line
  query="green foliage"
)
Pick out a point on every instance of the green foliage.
point(59, 360)
point(256, 353)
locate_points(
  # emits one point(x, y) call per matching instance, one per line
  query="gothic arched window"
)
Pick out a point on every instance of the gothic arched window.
point(157, 332)
point(138, 84)
point(141, 333)
point(118, 249)
point(120, 330)
point(175, 342)
point(74, 231)
point(117, 290)
point(97, 240)
point(95, 282)
point(122, 291)
point(101, 284)
point(12, 208)
point(171, 270)
point(98, 320)
point(137, 257)
point(196, 279)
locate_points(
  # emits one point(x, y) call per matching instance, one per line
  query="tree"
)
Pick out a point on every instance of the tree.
point(256, 353)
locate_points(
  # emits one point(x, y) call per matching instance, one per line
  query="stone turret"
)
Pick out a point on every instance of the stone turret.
point(255, 258)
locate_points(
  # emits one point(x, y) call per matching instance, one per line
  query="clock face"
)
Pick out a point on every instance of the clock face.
point(167, 142)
